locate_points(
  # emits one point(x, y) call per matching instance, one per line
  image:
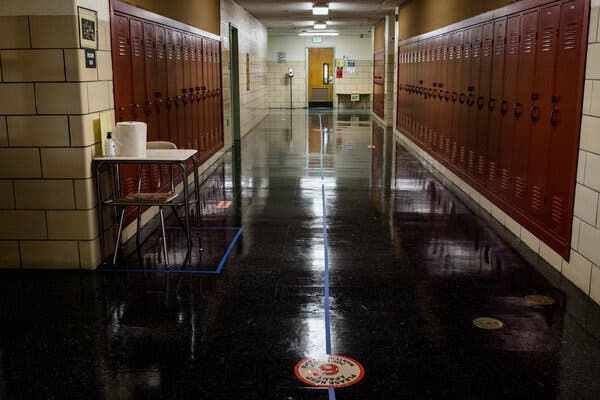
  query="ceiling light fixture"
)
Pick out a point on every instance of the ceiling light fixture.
point(320, 25)
point(320, 9)
point(319, 33)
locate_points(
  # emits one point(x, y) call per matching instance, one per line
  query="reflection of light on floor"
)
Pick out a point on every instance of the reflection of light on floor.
point(315, 333)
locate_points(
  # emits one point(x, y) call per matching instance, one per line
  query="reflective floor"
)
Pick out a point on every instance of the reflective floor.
point(410, 267)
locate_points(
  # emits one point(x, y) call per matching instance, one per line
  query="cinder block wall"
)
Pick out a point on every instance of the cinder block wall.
point(49, 105)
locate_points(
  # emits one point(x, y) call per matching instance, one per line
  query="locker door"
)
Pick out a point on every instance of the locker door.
point(151, 81)
point(541, 108)
point(162, 86)
point(448, 89)
point(192, 90)
point(179, 84)
point(121, 59)
point(509, 99)
point(456, 95)
point(473, 92)
point(495, 117)
point(138, 70)
point(215, 87)
point(482, 102)
point(525, 79)
point(171, 85)
point(426, 85)
point(211, 93)
point(186, 105)
point(219, 95)
point(565, 119)
point(201, 101)
point(463, 113)
point(436, 80)
point(205, 84)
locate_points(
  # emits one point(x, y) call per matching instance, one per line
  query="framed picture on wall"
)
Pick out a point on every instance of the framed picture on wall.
point(88, 28)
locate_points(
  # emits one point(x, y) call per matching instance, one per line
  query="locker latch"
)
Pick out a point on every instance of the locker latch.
point(535, 96)
point(518, 110)
point(470, 88)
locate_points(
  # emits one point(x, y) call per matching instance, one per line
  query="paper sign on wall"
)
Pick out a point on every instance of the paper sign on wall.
point(340, 63)
point(350, 66)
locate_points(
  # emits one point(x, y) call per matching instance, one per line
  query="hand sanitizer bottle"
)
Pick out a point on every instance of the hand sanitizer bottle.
point(109, 145)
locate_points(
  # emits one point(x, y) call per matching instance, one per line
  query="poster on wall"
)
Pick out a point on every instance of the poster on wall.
point(88, 28)
point(350, 66)
point(340, 63)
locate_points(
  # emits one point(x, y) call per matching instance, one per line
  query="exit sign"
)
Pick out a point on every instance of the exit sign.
point(317, 39)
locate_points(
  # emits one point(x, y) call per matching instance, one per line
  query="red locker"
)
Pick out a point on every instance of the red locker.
point(493, 105)
point(473, 92)
point(463, 113)
point(179, 84)
point(192, 91)
point(448, 88)
point(171, 99)
point(525, 79)
point(482, 102)
point(541, 107)
point(162, 88)
point(184, 88)
point(456, 95)
point(137, 70)
point(565, 118)
point(509, 99)
point(121, 58)
point(150, 80)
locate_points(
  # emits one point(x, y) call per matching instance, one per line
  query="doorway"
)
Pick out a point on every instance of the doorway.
point(320, 77)
point(235, 83)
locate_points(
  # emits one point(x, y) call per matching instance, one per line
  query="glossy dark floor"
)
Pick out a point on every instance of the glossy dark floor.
point(410, 268)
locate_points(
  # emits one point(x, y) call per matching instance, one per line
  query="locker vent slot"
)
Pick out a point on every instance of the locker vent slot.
point(148, 46)
point(320, 94)
point(459, 50)
point(476, 48)
point(155, 176)
point(537, 198)
point(570, 36)
point(122, 44)
point(170, 51)
point(487, 47)
point(513, 45)
point(481, 165)
point(467, 50)
point(136, 46)
point(177, 52)
point(520, 187)
point(547, 39)
point(492, 172)
point(471, 159)
point(505, 180)
point(451, 52)
point(129, 185)
point(499, 45)
point(529, 41)
point(160, 49)
point(557, 209)
point(461, 157)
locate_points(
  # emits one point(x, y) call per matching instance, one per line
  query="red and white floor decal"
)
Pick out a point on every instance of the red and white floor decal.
point(329, 371)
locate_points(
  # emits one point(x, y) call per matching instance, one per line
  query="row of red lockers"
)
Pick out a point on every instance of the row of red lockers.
point(378, 82)
point(170, 79)
point(499, 103)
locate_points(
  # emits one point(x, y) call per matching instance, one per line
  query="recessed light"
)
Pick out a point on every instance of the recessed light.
point(320, 9)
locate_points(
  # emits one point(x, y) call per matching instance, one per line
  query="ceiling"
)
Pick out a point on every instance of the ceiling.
point(284, 17)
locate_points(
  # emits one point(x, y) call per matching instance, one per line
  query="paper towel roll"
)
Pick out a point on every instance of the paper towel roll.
point(130, 139)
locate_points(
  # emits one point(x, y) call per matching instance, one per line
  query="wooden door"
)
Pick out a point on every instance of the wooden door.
point(321, 69)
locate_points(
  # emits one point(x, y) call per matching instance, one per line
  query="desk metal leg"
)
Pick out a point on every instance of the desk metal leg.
point(100, 208)
point(187, 207)
point(197, 189)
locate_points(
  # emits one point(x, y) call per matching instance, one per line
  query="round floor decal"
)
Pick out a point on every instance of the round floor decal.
point(330, 371)
point(488, 323)
point(539, 300)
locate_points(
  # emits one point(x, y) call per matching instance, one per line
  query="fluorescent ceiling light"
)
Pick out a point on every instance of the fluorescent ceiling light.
point(320, 9)
point(320, 25)
point(318, 33)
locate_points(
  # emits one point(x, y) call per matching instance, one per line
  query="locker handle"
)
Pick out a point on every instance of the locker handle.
point(441, 94)
point(121, 109)
point(447, 95)
point(480, 102)
point(440, 85)
point(534, 110)
point(554, 117)
point(169, 102)
point(148, 107)
point(555, 99)
point(454, 97)
point(192, 95)
point(491, 104)
point(461, 98)
point(185, 96)
point(518, 110)
point(504, 107)
point(470, 99)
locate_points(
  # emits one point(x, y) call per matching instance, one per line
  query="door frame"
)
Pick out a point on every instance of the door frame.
point(307, 77)
point(234, 74)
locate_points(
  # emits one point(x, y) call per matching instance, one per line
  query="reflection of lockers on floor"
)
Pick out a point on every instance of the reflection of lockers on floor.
point(168, 75)
point(379, 70)
point(497, 99)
